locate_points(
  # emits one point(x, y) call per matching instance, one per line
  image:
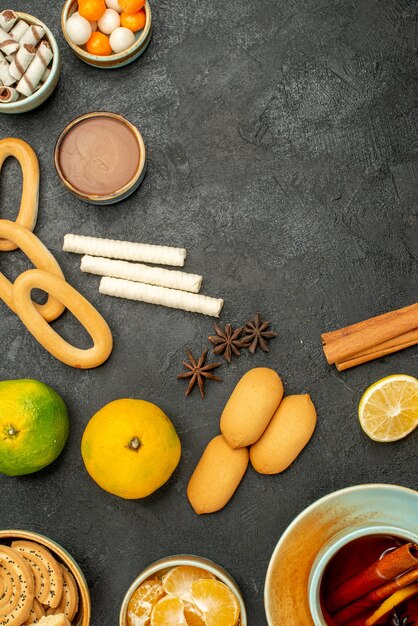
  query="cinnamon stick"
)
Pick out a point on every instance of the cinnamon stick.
point(390, 566)
point(358, 607)
point(353, 341)
point(377, 352)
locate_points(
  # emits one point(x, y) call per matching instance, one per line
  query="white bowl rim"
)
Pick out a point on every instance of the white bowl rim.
point(116, 57)
point(21, 104)
point(184, 559)
point(322, 500)
point(334, 545)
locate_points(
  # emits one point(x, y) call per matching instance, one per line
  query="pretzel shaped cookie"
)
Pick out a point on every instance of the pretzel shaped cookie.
point(40, 256)
point(28, 160)
point(85, 312)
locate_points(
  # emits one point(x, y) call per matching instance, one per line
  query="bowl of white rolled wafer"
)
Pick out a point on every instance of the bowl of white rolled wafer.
point(30, 63)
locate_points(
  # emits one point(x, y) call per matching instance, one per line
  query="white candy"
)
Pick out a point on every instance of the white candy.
point(109, 21)
point(121, 39)
point(113, 4)
point(78, 29)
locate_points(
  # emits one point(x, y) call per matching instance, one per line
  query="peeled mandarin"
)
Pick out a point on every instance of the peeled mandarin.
point(169, 611)
point(178, 581)
point(217, 603)
point(217, 476)
point(194, 617)
point(133, 21)
point(98, 44)
point(251, 406)
point(143, 600)
point(131, 6)
point(289, 431)
point(92, 10)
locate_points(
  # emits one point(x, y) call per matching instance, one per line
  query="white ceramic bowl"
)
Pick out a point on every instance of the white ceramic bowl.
point(39, 97)
point(112, 61)
point(160, 567)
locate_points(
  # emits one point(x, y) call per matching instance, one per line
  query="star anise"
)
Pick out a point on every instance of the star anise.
point(256, 334)
point(198, 371)
point(227, 341)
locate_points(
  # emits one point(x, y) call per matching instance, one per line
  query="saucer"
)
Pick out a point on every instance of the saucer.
point(286, 587)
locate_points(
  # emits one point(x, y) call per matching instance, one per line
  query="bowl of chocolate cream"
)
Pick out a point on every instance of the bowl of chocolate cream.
point(100, 157)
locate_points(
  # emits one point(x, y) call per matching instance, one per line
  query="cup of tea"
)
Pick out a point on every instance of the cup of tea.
point(358, 569)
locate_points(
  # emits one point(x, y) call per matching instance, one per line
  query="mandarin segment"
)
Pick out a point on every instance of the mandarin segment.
point(194, 617)
point(143, 601)
point(178, 581)
point(169, 611)
point(216, 601)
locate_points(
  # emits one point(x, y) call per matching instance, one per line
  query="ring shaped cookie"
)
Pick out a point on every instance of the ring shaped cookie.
point(85, 312)
point(40, 256)
point(28, 160)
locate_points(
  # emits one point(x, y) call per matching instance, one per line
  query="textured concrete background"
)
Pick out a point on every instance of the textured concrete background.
point(282, 155)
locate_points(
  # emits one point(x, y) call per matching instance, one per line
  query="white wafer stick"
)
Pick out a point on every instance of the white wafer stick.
point(23, 58)
point(45, 75)
point(7, 44)
point(141, 273)
point(7, 20)
point(160, 295)
point(31, 79)
point(125, 250)
point(5, 76)
point(33, 35)
point(19, 30)
point(8, 94)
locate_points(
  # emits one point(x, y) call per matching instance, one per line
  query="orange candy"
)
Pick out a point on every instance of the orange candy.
point(99, 45)
point(133, 21)
point(92, 10)
point(131, 6)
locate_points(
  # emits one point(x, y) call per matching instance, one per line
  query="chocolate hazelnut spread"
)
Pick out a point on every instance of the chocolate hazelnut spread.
point(99, 155)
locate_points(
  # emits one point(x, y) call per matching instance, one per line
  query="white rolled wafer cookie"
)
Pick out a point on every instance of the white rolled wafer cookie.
point(8, 94)
point(33, 35)
point(22, 59)
point(18, 30)
point(172, 298)
point(137, 272)
point(8, 19)
point(7, 44)
point(124, 250)
point(32, 77)
point(5, 77)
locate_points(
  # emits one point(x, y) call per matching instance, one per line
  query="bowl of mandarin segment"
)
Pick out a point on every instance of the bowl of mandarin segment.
point(107, 33)
point(40, 583)
point(183, 591)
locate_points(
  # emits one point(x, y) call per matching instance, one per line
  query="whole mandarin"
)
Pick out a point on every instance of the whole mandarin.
point(131, 6)
point(92, 10)
point(99, 45)
point(133, 21)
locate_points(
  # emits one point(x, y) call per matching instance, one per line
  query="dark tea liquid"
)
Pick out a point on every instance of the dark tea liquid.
point(353, 558)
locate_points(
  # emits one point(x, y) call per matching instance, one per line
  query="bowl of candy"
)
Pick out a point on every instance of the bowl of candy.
point(30, 63)
point(183, 590)
point(107, 33)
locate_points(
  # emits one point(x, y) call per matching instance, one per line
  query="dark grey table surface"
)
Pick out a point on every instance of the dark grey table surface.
point(281, 141)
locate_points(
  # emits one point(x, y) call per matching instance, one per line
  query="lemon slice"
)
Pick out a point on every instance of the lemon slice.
point(388, 410)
